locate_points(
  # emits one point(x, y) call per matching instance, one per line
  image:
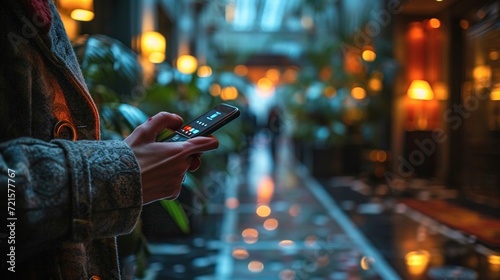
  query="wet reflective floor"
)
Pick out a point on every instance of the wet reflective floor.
point(274, 221)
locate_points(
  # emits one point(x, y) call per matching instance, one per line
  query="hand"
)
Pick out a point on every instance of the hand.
point(164, 164)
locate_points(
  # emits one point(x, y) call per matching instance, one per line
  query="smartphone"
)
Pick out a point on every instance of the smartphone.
point(205, 124)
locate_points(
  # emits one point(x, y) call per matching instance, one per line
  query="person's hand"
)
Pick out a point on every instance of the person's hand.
point(164, 164)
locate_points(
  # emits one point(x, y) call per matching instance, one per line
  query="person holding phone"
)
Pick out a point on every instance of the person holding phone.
point(68, 194)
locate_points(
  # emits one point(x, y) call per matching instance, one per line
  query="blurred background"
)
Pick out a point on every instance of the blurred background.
point(367, 147)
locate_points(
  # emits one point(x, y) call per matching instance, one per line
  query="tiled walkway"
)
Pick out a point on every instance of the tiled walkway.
point(273, 221)
point(276, 223)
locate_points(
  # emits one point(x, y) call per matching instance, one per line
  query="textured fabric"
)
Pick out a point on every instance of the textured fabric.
point(71, 198)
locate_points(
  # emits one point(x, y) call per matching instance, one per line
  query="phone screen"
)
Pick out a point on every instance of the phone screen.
point(198, 126)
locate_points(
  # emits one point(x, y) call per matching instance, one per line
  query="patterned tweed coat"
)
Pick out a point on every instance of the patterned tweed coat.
point(68, 197)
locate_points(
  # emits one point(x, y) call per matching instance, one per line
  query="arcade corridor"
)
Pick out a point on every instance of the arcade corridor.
point(277, 222)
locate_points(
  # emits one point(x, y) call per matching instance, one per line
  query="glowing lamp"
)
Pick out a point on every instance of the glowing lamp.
point(417, 261)
point(204, 71)
point(482, 75)
point(153, 46)
point(495, 93)
point(187, 64)
point(81, 10)
point(358, 93)
point(368, 55)
point(420, 90)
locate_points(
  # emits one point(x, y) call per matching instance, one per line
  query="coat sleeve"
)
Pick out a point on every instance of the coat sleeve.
point(68, 191)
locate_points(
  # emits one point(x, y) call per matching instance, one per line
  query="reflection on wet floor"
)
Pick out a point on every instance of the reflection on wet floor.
point(273, 221)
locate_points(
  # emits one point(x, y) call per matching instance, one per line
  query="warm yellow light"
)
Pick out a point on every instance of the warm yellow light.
point(187, 64)
point(417, 261)
point(375, 84)
point(204, 71)
point(358, 93)
point(420, 90)
point(273, 74)
point(153, 46)
point(81, 10)
point(229, 93)
point(495, 93)
point(264, 84)
point(434, 23)
point(482, 75)
point(494, 259)
point(82, 15)
point(368, 55)
point(263, 211)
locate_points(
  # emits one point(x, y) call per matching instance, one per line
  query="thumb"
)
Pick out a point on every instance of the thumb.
point(156, 124)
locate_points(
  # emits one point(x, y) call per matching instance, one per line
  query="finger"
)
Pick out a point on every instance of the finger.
point(158, 123)
point(200, 144)
point(195, 163)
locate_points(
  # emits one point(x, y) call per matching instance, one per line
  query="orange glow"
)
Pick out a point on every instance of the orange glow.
point(229, 93)
point(240, 253)
point(464, 24)
point(215, 90)
point(81, 10)
point(495, 93)
point(494, 261)
point(187, 64)
point(250, 235)
point(368, 55)
point(422, 114)
point(273, 74)
point(204, 71)
point(265, 85)
point(375, 84)
point(241, 70)
point(153, 46)
point(434, 23)
point(271, 224)
point(440, 90)
point(263, 211)
point(420, 90)
point(417, 261)
point(416, 51)
point(265, 190)
point(358, 93)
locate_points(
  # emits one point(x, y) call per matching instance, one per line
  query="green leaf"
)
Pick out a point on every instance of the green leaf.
point(174, 208)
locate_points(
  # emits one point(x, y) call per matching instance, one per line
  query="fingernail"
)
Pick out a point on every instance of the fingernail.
point(150, 119)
